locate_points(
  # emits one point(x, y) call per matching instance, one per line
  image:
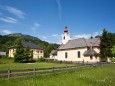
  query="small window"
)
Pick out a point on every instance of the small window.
point(41, 51)
point(66, 55)
point(38, 51)
point(64, 37)
point(79, 54)
point(91, 57)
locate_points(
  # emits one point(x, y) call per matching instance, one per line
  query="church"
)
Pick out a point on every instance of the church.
point(77, 50)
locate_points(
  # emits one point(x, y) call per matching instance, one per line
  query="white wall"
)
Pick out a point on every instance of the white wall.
point(73, 55)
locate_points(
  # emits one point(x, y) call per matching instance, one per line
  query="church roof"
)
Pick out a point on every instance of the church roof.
point(53, 52)
point(90, 52)
point(80, 43)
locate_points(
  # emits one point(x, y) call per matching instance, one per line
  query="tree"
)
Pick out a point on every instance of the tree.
point(113, 51)
point(19, 54)
point(22, 54)
point(27, 55)
point(105, 45)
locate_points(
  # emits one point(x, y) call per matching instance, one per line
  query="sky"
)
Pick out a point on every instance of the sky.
point(46, 19)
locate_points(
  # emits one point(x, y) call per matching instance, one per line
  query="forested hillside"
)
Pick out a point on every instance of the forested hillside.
point(9, 40)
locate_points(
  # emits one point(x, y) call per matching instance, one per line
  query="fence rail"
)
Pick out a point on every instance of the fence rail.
point(27, 72)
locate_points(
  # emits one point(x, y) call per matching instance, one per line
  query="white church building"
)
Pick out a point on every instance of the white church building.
point(77, 50)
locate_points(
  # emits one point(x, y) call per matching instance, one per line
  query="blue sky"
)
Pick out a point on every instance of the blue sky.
point(46, 19)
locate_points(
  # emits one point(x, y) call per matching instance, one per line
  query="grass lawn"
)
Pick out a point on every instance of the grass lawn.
point(96, 76)
point(9, 64)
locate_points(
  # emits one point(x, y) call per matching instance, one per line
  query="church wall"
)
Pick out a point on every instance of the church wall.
point(73, 55)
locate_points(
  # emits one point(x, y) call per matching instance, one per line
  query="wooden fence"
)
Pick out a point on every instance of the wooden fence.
point(27, 72)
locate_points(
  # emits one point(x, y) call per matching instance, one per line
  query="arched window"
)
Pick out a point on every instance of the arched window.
point(66, 55)
point(79, 54)
point(64, 37)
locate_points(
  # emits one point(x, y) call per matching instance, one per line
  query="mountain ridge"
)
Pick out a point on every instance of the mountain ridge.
point(23, 35)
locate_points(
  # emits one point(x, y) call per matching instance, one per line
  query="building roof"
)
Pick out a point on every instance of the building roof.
point(94, 41)
point(31, 45)
point(90, 52)
point(53, 52)
point(80, 43)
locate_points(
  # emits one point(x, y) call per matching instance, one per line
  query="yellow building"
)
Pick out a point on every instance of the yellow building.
point(36, 49)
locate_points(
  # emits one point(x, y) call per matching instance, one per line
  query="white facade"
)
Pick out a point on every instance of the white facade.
point(72, 55)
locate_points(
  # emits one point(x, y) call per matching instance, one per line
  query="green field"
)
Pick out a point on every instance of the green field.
point(95, 76)
point(9, 64)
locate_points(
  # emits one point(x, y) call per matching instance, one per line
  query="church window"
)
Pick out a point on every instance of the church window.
point(64, 37)
point(79, 55)
point(91, 57)
point(66, 54)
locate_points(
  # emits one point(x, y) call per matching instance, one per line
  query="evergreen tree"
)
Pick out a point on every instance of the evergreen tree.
point(28, 55)
point(105, 45)
point(22, 54)
point(19, 54)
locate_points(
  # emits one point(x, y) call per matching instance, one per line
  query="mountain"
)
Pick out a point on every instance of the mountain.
point(24, 36)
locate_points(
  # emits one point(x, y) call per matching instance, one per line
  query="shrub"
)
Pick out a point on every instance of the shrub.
point(42, 59)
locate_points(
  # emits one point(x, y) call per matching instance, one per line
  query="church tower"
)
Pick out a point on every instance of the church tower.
point(65, 36)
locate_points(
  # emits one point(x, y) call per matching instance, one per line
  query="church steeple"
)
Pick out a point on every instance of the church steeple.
point(65, 36)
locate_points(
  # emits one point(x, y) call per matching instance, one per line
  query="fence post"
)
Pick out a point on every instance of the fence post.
point(53, 69)
point(9, 73)
point(34, 71)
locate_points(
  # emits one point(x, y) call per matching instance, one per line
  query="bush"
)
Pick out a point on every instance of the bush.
point(42, 59)
point(113, 59)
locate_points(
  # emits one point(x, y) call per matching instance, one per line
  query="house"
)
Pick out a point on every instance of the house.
point(78, 50)
point(53, 54)
point(2, 53)
point(36, 49)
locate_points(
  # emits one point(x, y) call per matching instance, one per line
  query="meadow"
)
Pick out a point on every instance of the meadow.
point(95, 76)
point(6, 64)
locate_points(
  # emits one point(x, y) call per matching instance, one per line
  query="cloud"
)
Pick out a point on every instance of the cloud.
point(97, 33)
point(55, 35)
point(57, 38)
point(9, 20)
point(83, 36)
point(35, 26)
point(59, 9)
point(44, 37)
point(6, 31)
point(87, 35)
point(15, 11)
